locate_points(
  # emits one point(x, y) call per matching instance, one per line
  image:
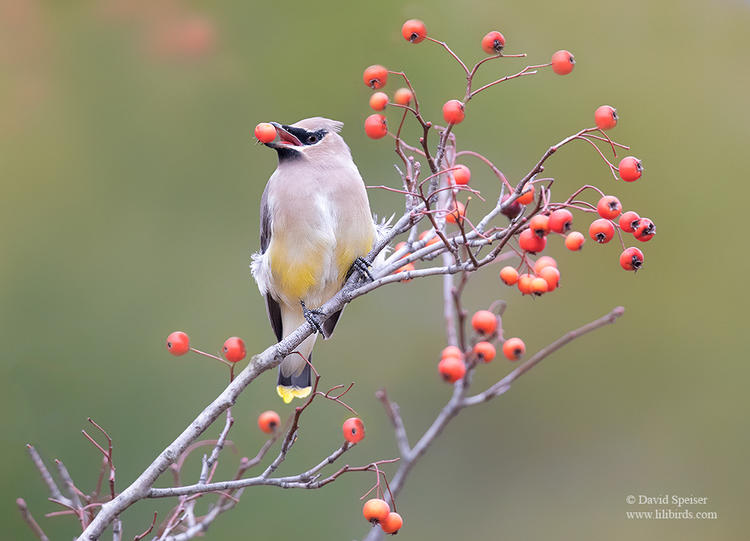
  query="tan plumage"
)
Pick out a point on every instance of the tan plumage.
point(315, 221)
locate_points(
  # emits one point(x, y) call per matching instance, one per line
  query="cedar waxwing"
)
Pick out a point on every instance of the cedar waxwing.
point(315, 225)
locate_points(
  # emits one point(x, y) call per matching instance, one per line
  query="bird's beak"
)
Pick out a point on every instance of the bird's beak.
point(285, 138)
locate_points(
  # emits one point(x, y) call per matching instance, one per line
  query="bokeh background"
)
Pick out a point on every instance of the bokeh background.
point(129, 208)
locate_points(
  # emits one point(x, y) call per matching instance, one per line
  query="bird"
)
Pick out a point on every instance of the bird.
point(316, 226)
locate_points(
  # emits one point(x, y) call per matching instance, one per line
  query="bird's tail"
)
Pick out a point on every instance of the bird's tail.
point(293, 386)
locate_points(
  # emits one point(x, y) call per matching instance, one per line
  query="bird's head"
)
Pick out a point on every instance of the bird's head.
point(315, 139)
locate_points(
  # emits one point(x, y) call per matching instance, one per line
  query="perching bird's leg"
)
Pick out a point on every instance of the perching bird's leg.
point(310, 316)
point(360, 265)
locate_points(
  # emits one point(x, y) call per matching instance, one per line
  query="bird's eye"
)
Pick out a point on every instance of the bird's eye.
point(312, 139)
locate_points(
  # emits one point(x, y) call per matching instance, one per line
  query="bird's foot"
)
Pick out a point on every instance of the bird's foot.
point(361, 266)
point(311, 316)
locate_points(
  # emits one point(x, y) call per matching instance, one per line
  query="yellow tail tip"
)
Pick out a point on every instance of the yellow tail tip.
point(288, 394)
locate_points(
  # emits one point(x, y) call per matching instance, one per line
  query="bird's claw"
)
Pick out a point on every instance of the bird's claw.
point(361, 266)
point(311, 316)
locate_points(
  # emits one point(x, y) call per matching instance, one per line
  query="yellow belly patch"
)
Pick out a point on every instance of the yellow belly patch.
point(293, 277)
point(347, 253)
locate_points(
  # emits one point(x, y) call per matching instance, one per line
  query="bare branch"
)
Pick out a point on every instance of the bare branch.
point(29, 519)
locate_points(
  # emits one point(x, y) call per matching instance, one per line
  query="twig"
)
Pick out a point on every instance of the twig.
point(29, 519)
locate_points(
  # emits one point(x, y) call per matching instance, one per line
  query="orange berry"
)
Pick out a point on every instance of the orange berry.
point(524, 283)
point(392, 523)
point(574, 241)
point(544, 261)
point(630, 169)
point(403, 96)
point(462, 175)
point(452, 369)
point(378, 101)
point(414, 31)
point(560, 221)
point(629, 221)
point(453, 112)
point(529, 242)
point(484, 322)
point(539, 224)
point(631, 259)
point(375, 76)
point(509, 275)
point(406, 268)
point(376, 510)
point(527, 196)
point(485, 351)
point(423, 235)
point(451, 351)
point(268, 421)
point(539, 286)
point(562, 62)
point(456, 213)
point(645, 230)
point(493, 42)
point(376, 126)
point(601, 231)
point(354, 430)
point(552, 277)
point(609, 207)
point(514, 348)
point(605, 117)
point(265, 132)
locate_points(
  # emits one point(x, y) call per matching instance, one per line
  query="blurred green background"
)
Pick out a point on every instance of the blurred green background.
point(130, 190)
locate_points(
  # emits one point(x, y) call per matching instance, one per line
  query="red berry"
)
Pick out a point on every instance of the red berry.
point(509, 275)
point(375, 76)
point(406, 268)
point(609, 207)
point(602, 231)
point(560, 221)
point(452, 369)
point(574, 241)
point(629, 221)
point(485, 351)
point(392, 523)
point(456, 213)
point(562, 62)
point(529, 242)
point(493, 42)
point(268, 421)
point(423, 235)
point(451, 351)
point(354, 430)
point(552, 276)
point(605, 117)
point(484, 322)
point(462, 175)
point(265, 132)
point(403, 96)
point(376, 510)
point(414, 31)
point(630, 169)
point(453, 112)
point(544, 261)
point(378, 101)
point(524, 284)
point(514, 348)
point(234, 349)
point(512, 210)
point(178, 343)
point(527, 196)
point(539, 286)
point(645, 230)
point(376, 126)
point(631, 259)
point(539, 224)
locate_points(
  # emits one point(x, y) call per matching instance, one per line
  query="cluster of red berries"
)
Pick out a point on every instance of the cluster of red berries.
point(453, 362)
point(178, 343)
point(378, 512)
point(415, 31)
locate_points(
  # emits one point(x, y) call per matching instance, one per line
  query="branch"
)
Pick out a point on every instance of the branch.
point(29, 519)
